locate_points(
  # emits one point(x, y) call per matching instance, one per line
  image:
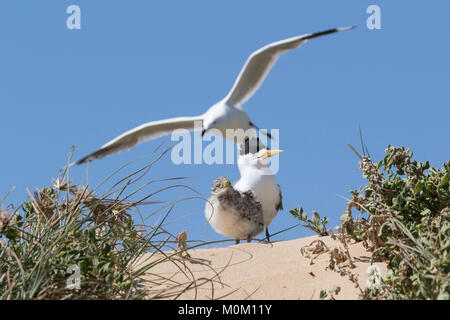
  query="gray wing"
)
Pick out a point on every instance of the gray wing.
point(249, 206)
point(261, 61)
point(279, 205)
point(145, 132)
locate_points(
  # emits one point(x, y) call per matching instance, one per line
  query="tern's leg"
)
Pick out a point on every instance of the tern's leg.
point(237, 241)
point(267, 234)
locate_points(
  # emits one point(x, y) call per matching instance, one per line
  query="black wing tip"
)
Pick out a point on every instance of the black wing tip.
point(88, 158)
point(81, 161)
point(329, 31)
point(99, 154)
point(77, 163)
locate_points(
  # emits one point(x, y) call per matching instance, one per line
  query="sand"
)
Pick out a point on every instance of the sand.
point(258, 271)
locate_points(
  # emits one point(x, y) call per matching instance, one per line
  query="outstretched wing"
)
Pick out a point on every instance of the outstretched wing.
point(145, 132)
point(261, 61)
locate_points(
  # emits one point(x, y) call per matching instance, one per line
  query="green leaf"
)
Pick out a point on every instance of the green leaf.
point(83, 266)
point(418, 188)
point(126, 285)
point(315, 218)
point(384, 230)
point(379, 164)
point(444, 180)
point(429, 186)
point(106, 248)
point(294, 213)
point(304, 216)
point(103, 266)
point(11, 233)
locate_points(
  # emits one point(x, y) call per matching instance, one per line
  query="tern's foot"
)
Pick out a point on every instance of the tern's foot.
point(265, 241)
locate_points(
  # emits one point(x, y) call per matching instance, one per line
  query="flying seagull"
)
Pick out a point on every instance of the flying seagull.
point(225, 114)
point(234, 213)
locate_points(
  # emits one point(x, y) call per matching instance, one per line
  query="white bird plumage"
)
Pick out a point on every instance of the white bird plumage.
point(227, 113)
point(256, 179)
point(256, 176)
point(233, 213)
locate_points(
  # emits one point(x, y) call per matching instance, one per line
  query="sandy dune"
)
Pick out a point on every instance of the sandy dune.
point(259, 271)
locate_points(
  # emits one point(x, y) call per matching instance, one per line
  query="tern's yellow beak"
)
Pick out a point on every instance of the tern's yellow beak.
point(271, 153)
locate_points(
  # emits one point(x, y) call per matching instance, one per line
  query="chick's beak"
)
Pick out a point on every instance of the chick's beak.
point(225, 184)
point(271, 153)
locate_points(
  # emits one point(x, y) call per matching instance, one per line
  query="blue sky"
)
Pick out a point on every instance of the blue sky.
point(138, 61)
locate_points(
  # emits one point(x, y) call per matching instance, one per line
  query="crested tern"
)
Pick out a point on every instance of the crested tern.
point(233, 212)
point(257, 177)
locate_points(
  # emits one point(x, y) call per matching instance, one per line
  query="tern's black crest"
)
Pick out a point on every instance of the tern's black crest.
point(251, 145)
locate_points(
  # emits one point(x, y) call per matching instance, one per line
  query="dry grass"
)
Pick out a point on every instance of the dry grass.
point(67, 242)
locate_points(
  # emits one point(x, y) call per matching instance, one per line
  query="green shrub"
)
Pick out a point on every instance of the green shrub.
point(315, 224)
point(407, 223)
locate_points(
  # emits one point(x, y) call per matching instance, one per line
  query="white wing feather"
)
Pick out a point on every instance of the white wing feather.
point(143, 133)
point(261, 61)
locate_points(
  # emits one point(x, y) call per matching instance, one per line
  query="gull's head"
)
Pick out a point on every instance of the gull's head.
point(254, 153)
point(221, 184)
